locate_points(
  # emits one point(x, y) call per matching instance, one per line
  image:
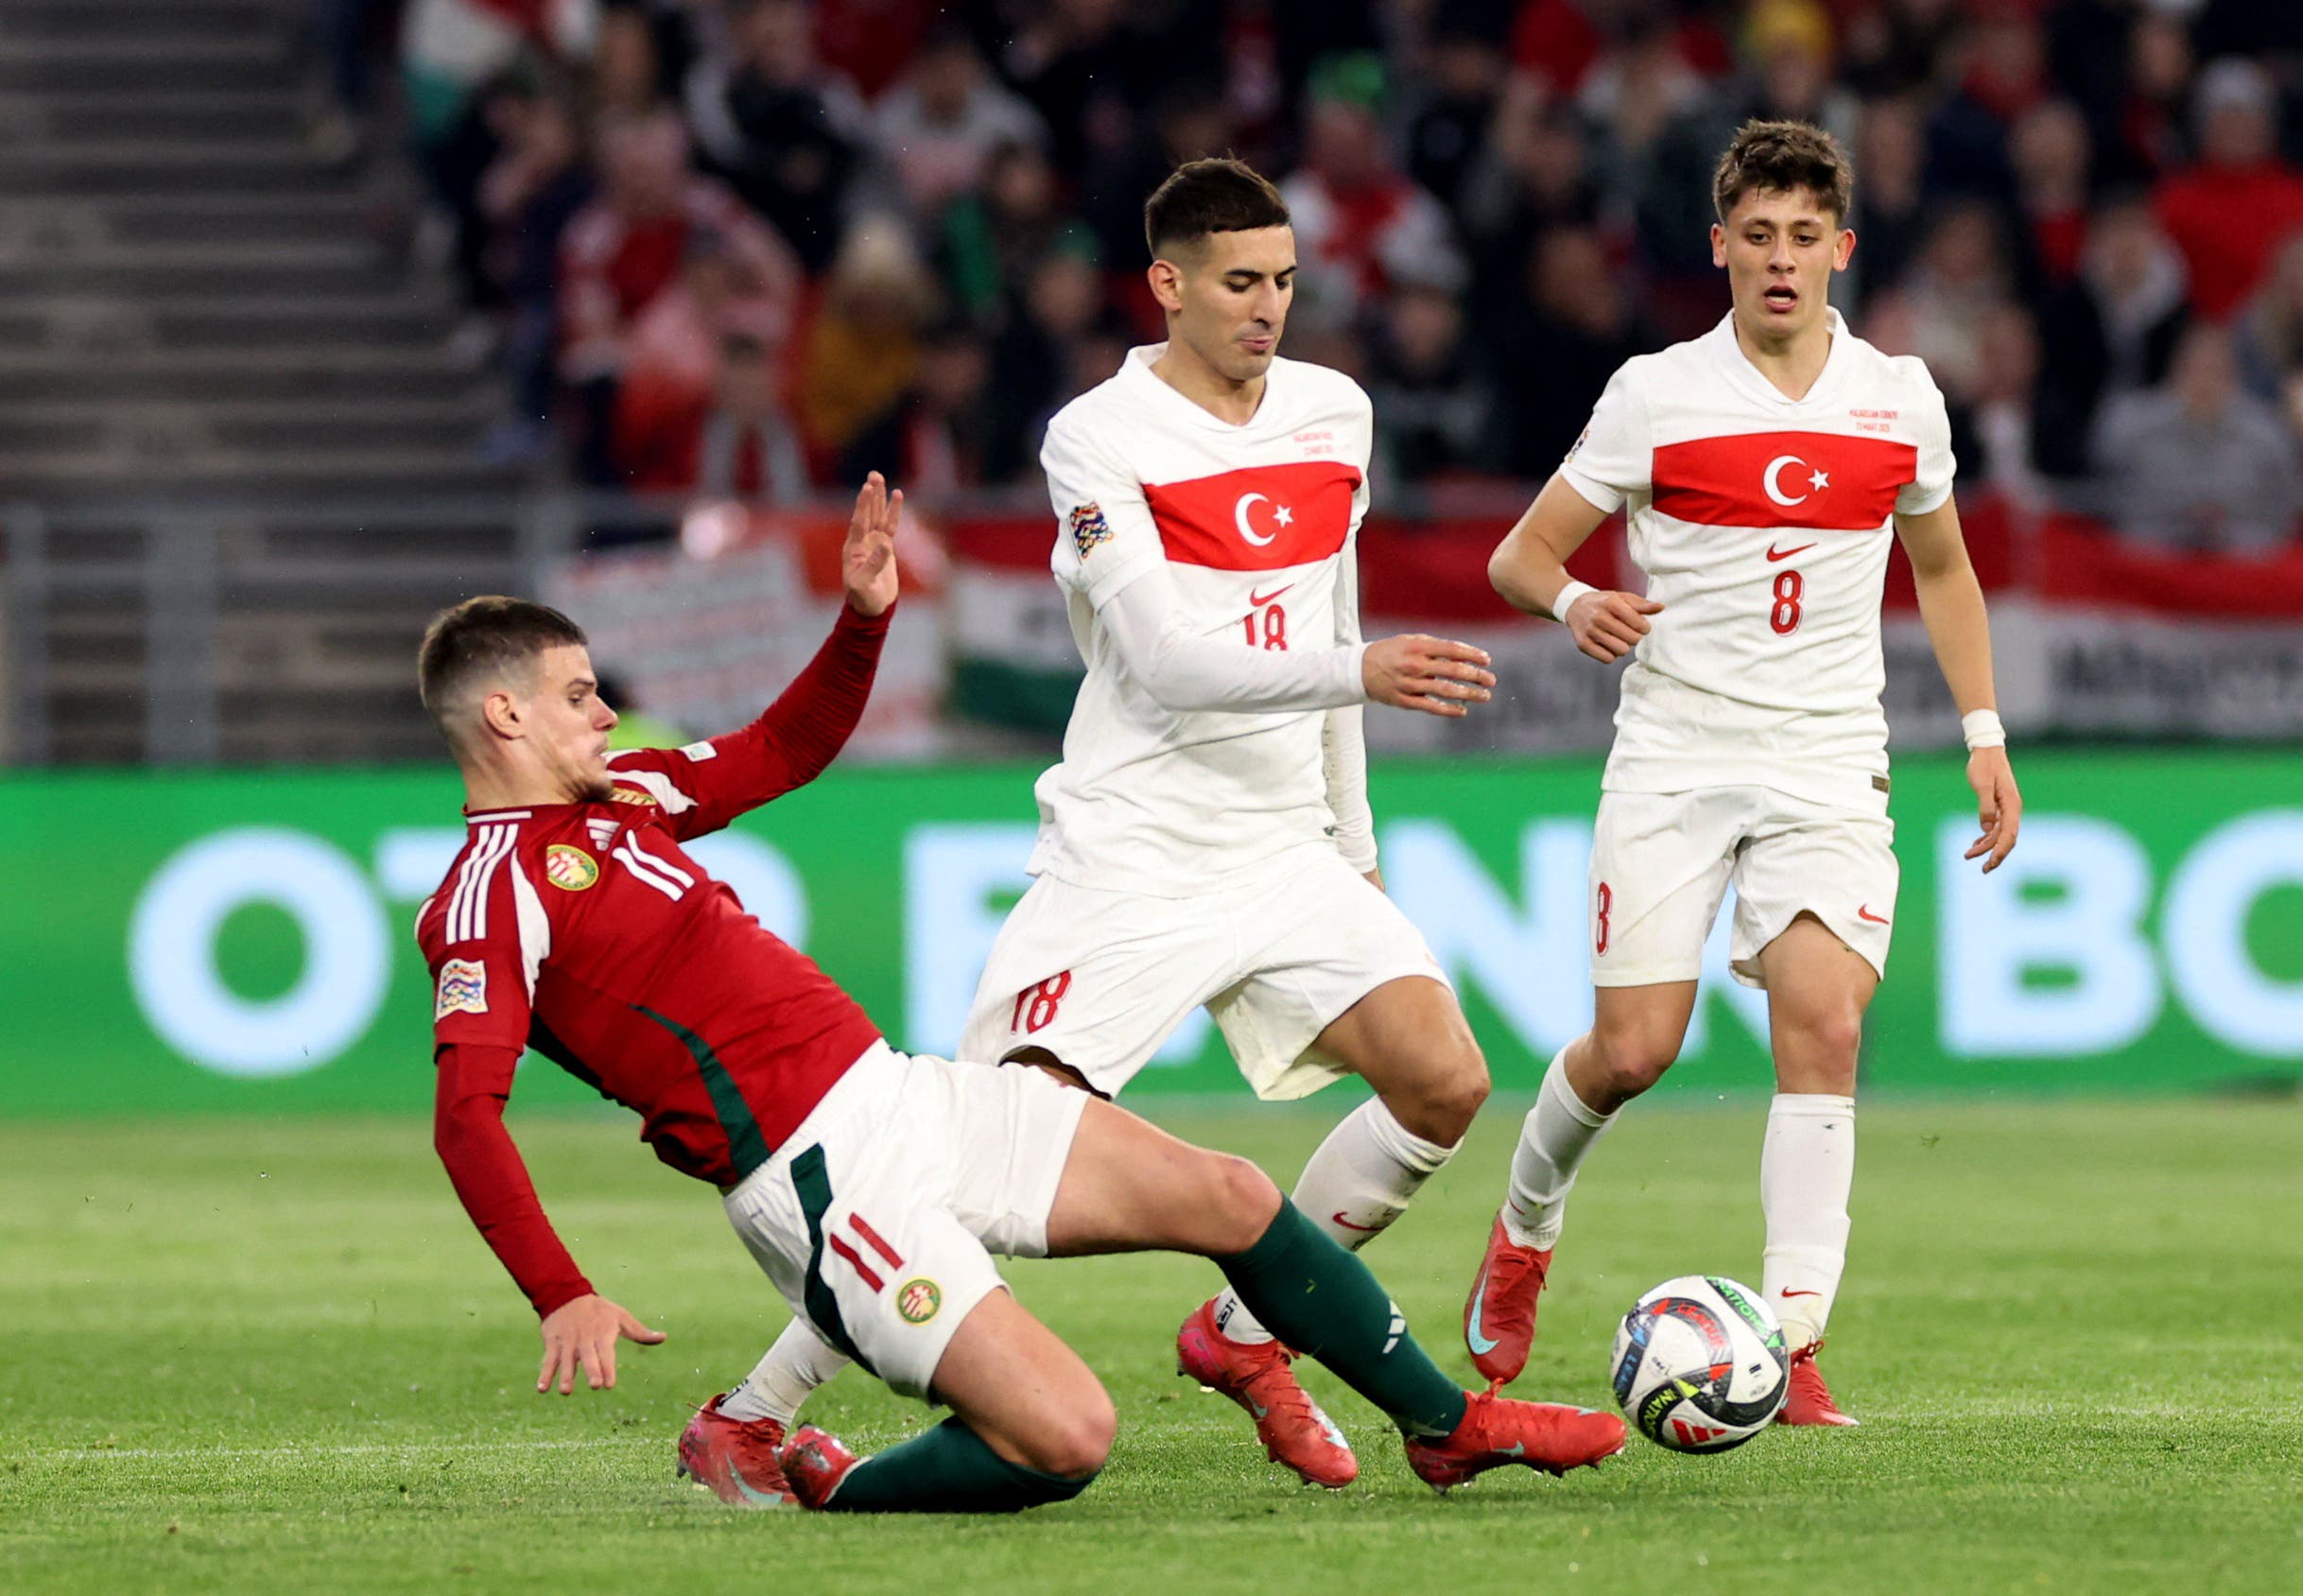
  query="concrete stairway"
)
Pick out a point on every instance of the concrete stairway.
point(200, 315)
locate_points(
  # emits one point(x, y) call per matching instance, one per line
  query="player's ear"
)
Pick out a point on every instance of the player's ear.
point(1719, 245)
point(1166, 280)
point(500, 713)
point(1843, 249)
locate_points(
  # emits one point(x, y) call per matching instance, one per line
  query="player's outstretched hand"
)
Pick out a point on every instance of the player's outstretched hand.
point(1997, 805)
point(1433, 674)
point(584, 1332)
point(867, 562)
point(1607, 625)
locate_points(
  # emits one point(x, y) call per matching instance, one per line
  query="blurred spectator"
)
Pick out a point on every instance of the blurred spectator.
point(630, 76)
point(2230, 213)
point(1532, 177)
point(2111, 331)
point(625, 247)
point(870, 42)
point(1899, 46)
point(676, 340)
point(861, 353)
point(732, 438)
point(1638, 89)
point(2051, 154)
point(2002, 420)
point(535, 188)
point(1362, 226)
point(992, 240)
point(2087, 45)
point(2200, 465)
point(1951, 295)
point(2270, 334)
point(2154, 122)
point(1033, 367)
point(1431, 403)
point(1555, 353)
point(1468, 69)
point(1090, 66)
point(938, 127)
point(785, 132)
point(1889, 215)
point(2003, 77)
point(1190, 120)
point(935, 440)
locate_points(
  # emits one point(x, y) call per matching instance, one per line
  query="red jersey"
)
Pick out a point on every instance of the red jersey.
point(585, 931)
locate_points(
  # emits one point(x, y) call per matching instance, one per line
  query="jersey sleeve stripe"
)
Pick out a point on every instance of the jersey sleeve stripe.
point(666, 866)
point(643, 871)
point(468, 911)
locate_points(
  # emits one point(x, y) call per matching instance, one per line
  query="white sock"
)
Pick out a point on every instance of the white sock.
point(1806, 1171)
point(798, 1362)
point(1361, 1179)
point(1553, 1141)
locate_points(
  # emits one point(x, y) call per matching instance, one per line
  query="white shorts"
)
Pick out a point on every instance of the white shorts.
point(877, 1218)
point(1661, 864)
point(1100, 978)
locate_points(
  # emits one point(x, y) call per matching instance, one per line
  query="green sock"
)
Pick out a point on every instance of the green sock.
point(948, 1470)
point(1320, 1300)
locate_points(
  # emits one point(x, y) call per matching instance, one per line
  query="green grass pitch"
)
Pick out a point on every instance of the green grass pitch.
point(271, 1357)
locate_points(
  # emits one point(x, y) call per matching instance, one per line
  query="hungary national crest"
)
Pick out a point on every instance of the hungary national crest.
point(569, 869)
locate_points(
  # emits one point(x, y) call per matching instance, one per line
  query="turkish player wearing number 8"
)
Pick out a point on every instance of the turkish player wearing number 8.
point(1762, 467)
point(1205, 841)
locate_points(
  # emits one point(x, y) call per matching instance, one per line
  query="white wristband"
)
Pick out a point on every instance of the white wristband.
point(1567, 596)
point(1982, 729)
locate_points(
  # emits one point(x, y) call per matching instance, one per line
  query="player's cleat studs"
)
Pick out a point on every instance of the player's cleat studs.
point(738, 1460)
point(1499, 1315)
point(1295, 1432)
point(1499, 1432)
point(1810, 1400)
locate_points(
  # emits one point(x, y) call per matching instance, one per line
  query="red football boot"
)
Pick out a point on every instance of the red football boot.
point(736, 1458)
point(1499, 1315)
point(1810, 1399)
point(1497, 1431)
point(816, 1462)
point(1296, 1434)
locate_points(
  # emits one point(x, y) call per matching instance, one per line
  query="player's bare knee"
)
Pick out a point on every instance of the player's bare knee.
point(1240, 1204)
point(1076, 1445)
point(1631, 1060)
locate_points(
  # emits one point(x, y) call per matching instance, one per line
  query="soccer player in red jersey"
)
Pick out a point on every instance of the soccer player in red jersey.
point(872, 1187)
point(1765, 468)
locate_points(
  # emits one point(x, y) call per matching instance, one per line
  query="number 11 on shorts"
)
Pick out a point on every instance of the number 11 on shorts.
point(1035, 1006)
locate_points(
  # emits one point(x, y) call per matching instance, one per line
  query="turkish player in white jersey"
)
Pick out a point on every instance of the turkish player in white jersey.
point(1205, 841)
point(1763, 468)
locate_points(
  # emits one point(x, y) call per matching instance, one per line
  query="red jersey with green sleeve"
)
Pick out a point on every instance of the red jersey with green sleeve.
point(585, 931)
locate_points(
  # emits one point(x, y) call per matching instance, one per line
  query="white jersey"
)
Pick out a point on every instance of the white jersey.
point(1763, 523)
point(1257, 525)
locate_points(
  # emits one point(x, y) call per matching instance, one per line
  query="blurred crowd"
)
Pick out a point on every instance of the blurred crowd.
point(754, 247)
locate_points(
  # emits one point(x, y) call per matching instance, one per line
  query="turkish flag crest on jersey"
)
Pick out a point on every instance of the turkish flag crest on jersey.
point(1822, 481)
point(1263, 518)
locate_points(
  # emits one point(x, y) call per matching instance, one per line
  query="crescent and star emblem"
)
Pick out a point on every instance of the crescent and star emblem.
point(1817, 480)
point(1281, 513)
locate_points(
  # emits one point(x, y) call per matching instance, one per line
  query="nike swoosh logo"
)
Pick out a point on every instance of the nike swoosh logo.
point(763, 1498)
point(1363, 1229)
point(1773, 556)
point(1258, 600)
point(1481, 1344)
point(1802, 1293)
point(1864, 914)
point(1517, 1448)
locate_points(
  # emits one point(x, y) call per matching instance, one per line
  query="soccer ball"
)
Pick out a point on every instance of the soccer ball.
point(1699, 1364)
